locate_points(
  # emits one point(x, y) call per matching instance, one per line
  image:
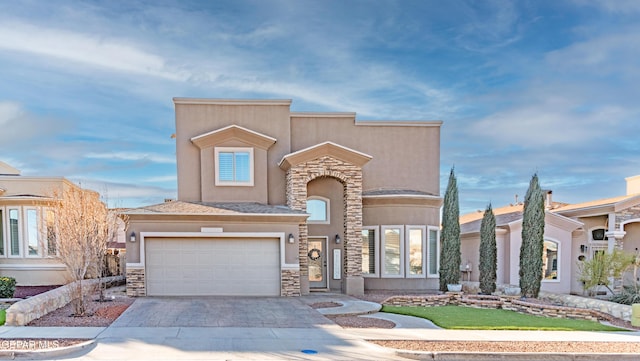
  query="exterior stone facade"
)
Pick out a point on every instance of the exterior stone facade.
point(298, 176)
point(135, 282)
point(626, 215)
point(290, 284)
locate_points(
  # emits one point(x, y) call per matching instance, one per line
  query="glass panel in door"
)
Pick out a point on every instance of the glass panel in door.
point(317, 262)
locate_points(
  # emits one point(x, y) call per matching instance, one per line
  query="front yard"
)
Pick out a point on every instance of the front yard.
point(468, 318)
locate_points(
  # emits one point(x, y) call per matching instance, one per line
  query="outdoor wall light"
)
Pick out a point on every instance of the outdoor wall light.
point(583, 248)
point(291, 238)
point(132, 238)
point(337, 238)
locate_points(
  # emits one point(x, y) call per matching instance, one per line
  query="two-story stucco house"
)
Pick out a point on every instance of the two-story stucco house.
point(275, 202)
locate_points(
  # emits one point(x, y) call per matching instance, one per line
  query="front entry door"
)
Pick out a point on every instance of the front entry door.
point(317, 255)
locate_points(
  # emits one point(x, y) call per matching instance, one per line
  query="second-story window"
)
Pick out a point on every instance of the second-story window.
point(234, 166)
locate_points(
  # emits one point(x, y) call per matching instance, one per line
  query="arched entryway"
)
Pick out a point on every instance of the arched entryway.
point(345, 165)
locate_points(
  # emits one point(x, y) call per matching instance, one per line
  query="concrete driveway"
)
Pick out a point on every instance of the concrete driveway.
point(272, 312)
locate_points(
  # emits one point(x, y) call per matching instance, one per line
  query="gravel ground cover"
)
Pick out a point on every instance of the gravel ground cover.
point(495, 346)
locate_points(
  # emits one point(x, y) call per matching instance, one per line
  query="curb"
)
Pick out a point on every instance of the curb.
point(531, 356)
point(40, 354)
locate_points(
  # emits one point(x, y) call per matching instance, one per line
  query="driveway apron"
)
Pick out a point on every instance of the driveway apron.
point(273, 312)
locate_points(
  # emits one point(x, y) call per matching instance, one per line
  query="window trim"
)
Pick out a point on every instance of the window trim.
point(27, 233)
point(327, 212)
point(3, 236)
point(376, 246)
point(383, 254)
point(19, 229)
point(218, 150)
point(45, 234)
point(407, 248)
point(429, 250)
point(559, 264)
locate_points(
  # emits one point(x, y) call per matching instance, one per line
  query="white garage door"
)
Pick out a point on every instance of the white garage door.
point(212, 266)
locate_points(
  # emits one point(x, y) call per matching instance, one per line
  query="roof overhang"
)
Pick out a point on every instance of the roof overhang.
point(325, 149)
point(601, 209)
point(402, 199)
point(233, 132)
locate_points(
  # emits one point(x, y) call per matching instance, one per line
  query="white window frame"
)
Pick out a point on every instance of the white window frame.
point(26, 234)
point(383, 271)
point(218, 150)
point(376, 250)
point(327, 212)
point(422, 251)
point(429, 250)
point(559, 263)
point(20, 232)
point(45, 234)
point(3, 231)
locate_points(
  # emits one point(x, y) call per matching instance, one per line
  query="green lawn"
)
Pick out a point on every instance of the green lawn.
point(467, 318)
point(3, 316)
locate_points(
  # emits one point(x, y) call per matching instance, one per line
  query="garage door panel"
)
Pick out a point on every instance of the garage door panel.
point(213, 266)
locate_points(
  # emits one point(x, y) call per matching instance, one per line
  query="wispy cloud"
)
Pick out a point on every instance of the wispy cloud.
point(93, 50)
point(132, 156)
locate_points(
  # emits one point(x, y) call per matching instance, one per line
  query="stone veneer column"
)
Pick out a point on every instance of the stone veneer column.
point(290, 285)
point(350, 176)
point(135, 282)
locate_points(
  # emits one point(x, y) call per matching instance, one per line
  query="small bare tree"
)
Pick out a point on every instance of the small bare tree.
point(82, 226)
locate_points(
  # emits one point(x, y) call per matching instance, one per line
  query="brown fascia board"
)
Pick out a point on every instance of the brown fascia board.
point(222, 217)
point(400, 123)
point(402, 199)
point(322, 115)
point(204, 101)
point(325, 149)
point(233, 132)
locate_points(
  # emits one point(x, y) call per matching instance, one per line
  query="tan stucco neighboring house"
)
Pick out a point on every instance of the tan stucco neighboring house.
point(26, 253)
point(573, 233)
point(274, 202)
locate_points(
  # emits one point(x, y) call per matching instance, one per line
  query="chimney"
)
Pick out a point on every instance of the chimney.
point(548, 203)
point(633, 184)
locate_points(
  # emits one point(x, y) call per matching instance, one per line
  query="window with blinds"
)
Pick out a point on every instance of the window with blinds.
point(234, 166)
point(369, 252)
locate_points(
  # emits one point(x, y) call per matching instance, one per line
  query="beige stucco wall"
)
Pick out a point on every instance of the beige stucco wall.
point(197, 119)
point(41, 186)
point(404, 157)
point(173, 225)
point(34, 271)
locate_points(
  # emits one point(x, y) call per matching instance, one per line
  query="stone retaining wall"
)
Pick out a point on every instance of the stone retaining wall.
point(512, 303)
point(614, 309)
point(25, 311)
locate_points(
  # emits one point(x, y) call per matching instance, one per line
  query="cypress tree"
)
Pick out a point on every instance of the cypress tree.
point(450, 257)
point(532, 240)
point(488, 252)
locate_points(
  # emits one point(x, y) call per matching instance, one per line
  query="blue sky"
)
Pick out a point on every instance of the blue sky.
point(522, 86)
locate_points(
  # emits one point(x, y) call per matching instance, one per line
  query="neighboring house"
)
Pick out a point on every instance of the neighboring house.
point(274, 202)
point(573, 233)
point(27, 250)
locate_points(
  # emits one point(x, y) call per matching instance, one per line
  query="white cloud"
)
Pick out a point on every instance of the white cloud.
point(131, 156)
point(93, 50)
